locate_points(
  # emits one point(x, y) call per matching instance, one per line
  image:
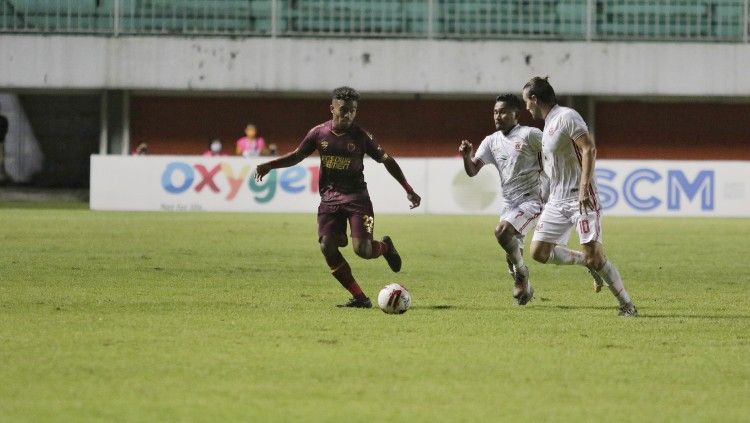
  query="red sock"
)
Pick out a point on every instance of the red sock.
point(343, 273)
point(378, 249)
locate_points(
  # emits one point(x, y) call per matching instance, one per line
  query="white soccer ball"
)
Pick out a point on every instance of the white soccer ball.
point(394, 299)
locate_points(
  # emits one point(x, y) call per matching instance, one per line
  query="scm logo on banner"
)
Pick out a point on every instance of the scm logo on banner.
point(677, 185)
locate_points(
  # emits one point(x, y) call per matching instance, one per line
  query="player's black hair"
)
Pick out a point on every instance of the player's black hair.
point(541, 88)
point(345, 94)
point(511, 100)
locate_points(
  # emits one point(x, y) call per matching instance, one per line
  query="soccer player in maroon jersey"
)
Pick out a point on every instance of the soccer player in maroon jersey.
point(343, 191)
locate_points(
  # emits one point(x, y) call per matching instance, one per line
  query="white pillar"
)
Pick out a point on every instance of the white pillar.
point(125, 123)
point(104, 124)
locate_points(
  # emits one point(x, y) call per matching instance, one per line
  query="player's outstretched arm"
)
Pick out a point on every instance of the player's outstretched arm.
point(287, 160)
point(471, 166)
point(395, 170)
point(588, 156)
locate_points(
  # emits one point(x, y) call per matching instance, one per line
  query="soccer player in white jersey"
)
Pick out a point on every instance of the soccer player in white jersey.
point(568, 156)
point(514, 150)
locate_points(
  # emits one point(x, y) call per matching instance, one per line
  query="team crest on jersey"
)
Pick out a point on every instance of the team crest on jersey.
point(552, 130)
point(324, 144)
point(351, 147)
point(518, 145)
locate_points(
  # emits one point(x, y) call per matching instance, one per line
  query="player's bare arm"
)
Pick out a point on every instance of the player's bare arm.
point(471, 166)
point(395, 170)
point(287, 160)
point(588, 157)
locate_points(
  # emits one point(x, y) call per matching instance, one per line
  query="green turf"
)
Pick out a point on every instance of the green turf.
point(216, 317)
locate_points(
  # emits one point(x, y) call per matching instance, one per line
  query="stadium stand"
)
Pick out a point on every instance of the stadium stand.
point(666, 20)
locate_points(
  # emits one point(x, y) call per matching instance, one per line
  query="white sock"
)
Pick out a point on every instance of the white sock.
point(515, 252)
point(612, 277)
point(562, 255)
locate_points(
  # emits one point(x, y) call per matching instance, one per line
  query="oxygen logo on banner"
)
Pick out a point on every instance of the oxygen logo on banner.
point(678, 185)
point(179, 177)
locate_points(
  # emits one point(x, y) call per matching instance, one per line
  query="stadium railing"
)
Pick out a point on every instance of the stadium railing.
point(642, 20)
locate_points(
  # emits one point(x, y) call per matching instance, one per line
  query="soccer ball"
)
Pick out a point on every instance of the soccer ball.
point(394, 299)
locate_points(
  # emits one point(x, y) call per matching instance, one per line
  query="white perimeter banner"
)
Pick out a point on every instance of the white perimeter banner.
point(189, 183)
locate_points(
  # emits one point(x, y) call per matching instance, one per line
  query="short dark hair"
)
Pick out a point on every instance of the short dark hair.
point(541, 88)
point(345, 94)
point(511, 100)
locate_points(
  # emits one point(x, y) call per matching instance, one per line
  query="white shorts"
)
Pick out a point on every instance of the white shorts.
point(558, 219)
point(522, 215)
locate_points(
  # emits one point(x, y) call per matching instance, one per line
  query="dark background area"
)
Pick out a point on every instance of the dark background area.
point(67, 127)
point(408, 128)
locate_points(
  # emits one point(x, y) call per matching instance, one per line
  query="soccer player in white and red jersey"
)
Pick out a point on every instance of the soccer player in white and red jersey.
point(344, 199)
point(569, 155)
point(515, 151)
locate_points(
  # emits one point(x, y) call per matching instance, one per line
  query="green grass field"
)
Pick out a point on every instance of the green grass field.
point(216, 317)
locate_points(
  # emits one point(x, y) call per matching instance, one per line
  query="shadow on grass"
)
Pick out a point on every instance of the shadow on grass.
point(645, 316)
point(443, 307)
point(570, 307)
point(437, 307)
point(695, 316)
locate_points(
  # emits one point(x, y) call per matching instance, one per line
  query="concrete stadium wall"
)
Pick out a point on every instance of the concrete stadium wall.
point(385, 66)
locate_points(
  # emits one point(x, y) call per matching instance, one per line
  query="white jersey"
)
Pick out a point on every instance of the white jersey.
point(560, 154)
point(516, 157)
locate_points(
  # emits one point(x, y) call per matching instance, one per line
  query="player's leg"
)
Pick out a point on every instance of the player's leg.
point(331, 231)
point(371, 249)
point(551, 239)
point(590, 233)
point(596, 260)
point(511, 241)
point(362, 223)
point(515, 221)
point(551, 234)
point(508, 238)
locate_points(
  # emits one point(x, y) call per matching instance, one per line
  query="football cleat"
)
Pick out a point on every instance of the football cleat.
point(598, 281)
point(392, 257)
point(628, 310)
point(357, 303)
point(523, 292)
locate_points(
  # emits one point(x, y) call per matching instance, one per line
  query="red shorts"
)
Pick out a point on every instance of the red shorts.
point(332, 219)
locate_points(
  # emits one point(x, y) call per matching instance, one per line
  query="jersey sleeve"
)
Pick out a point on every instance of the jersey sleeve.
point(372, 148)
point(575, 125)
point(535, 139)
point(484, 152)
point(309, 143)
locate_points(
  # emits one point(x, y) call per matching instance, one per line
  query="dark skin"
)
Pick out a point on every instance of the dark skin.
point(506, 118)
point(343, 114)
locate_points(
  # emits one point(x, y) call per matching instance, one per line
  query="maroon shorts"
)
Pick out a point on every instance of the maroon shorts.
point(332, 219)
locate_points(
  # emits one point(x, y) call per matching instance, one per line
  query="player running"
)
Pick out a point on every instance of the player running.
point(569, 154)
point(343, 191)
point(515, 151)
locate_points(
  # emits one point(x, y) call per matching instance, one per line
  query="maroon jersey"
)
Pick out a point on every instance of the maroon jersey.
point(341, 168)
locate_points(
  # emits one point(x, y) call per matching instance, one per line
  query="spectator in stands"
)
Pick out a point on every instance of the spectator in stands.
point(141, 150)
point(3, 133)
point(251, 144)
point(272, 150)
point(214, 148)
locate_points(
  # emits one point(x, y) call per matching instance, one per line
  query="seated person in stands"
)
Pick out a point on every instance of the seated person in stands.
point(251, 144)
point(214, 148)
